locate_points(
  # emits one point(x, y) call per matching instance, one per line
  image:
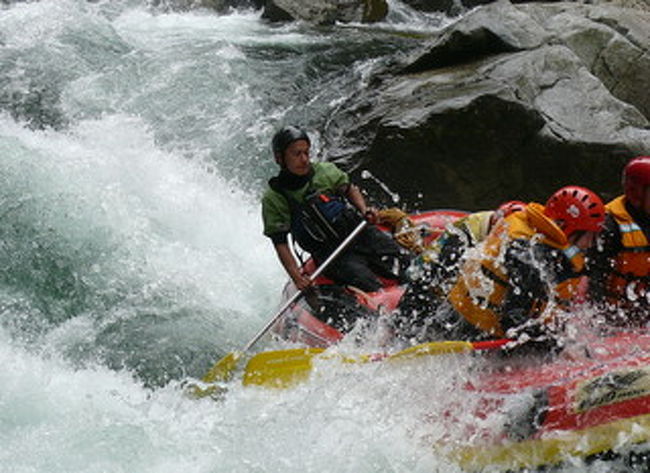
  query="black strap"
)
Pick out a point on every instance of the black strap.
point(494, 277)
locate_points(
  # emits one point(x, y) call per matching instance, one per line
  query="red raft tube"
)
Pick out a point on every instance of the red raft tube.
point(300, 324)
point(590, 402)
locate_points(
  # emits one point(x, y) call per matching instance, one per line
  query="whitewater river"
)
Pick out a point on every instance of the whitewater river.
point(133, 151)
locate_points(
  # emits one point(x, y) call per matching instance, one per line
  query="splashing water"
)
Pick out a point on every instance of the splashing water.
point(134, 148)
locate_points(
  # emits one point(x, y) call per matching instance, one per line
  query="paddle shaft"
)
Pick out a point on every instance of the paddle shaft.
point(344, 244)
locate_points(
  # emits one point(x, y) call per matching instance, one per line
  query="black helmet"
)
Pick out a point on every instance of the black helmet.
point(287, 135)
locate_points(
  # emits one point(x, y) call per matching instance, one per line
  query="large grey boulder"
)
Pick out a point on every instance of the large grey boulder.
point(486, 32)
point(503, 104)
point(456, 7)
point(325, 12)
point(613, 43)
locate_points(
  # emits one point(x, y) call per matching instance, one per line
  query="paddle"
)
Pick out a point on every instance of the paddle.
point(286, 368)
point(223, 369)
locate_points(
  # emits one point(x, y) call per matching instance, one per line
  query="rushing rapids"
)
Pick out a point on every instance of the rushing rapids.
point(134, 146)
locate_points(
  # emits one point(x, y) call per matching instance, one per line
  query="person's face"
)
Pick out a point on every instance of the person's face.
point(583, 240)
point(296, 158)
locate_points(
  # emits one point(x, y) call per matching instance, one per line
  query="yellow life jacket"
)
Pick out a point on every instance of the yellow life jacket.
point(632, 264)
point(483, 285)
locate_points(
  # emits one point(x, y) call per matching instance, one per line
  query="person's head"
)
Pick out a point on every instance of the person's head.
point(291, 150)
point(579, 212)
point(506, 209)
point(636, 183)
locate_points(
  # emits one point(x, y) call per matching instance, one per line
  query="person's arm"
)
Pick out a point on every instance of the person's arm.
point(537, 275)
point(354, 195)
point(600, 260)
point(527, 291)
point(291, 266)
point(276, 218)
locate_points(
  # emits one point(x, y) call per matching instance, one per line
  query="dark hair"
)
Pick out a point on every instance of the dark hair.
point(287, 135)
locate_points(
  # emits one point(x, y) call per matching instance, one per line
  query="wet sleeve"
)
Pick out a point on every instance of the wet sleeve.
point(279, 238)
point(600, 259)
point(528, 289)
point(450, 256)
point(276, 216)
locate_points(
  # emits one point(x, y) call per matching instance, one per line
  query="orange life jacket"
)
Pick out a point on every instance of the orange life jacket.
point(632, 265)
point(483, 285)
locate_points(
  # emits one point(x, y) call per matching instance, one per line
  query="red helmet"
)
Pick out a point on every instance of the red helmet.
point(636, 177)
point(510, 207)
point(506, 209)
point(576, 209)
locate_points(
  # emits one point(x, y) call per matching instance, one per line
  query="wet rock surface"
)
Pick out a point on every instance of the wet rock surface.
point(512, 101)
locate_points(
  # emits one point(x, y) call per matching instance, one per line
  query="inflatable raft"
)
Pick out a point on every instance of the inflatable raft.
point(591, 401)
point(302, 323)
point(519, 413)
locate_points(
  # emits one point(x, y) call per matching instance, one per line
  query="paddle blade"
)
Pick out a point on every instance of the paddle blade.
point(286, 368)
point(223, 369)
point(280, 369)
